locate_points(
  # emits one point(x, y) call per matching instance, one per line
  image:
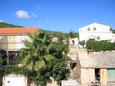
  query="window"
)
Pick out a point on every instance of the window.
point(98, 37)
point(73, 65)
point(73, 42)
point(11, 37)
point(110, 29)
point(88, 29)
point(94, 28)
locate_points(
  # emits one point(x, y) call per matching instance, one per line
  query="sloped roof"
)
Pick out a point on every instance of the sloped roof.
point(17, 30)
point(98, 60)
point(86, 61)
point(104, 60)
point(93, 25)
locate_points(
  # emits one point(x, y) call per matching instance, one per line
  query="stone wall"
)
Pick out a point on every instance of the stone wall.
point(87, 76)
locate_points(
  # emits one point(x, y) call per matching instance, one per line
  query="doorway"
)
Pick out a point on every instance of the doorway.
point(73, 42)
point(97, 74)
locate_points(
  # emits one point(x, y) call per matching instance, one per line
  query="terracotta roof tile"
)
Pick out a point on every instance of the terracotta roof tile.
point(17, 30)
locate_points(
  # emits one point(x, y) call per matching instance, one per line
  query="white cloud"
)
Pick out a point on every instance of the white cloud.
point(1, 20)
point(22, 14)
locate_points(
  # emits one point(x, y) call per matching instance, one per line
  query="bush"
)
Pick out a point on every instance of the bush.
point(98, 46)
point(13, 70)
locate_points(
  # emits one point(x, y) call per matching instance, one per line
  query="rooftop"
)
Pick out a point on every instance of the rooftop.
point(98, 60)
point(18, 30)
point(104, 59)
point(92, 25)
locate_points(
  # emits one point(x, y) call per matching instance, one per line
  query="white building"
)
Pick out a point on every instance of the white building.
point(96, 31)
point(12, 39)
point(73, 41)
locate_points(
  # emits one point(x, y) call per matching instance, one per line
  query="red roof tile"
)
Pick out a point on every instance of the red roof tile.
point(17, 30)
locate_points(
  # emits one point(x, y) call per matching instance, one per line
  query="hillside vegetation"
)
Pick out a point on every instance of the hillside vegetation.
point(62, 34)
point(54, 33)
point(5, 25)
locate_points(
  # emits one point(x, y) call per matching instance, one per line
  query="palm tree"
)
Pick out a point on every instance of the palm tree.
point(44, 58)
point(36, 55)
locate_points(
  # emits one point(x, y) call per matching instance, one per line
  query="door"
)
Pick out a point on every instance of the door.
point(111, 74)
point(111, 77)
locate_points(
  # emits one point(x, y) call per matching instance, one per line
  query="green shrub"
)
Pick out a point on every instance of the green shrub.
point(97, 46)
point(13, 70)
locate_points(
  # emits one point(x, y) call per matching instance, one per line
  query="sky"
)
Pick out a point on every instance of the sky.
point(57, 15)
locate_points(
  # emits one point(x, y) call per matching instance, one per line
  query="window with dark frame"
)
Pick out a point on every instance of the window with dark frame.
point(94, 28)
point(88, 29)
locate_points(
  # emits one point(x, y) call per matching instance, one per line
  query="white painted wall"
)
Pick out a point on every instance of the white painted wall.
point(87, 76)
point(19, 40)
point(95, 30)
point(14, 80)
point(69, 83)
point(13, 42)
point(55, 39)
point(75, 41)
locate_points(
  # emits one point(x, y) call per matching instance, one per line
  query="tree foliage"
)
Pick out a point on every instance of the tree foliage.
point(113, 31)
point(82, 43)
point(1, 61)
point(11, 69)
point(73, 34)
point(98, 46)
point(44, 58)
